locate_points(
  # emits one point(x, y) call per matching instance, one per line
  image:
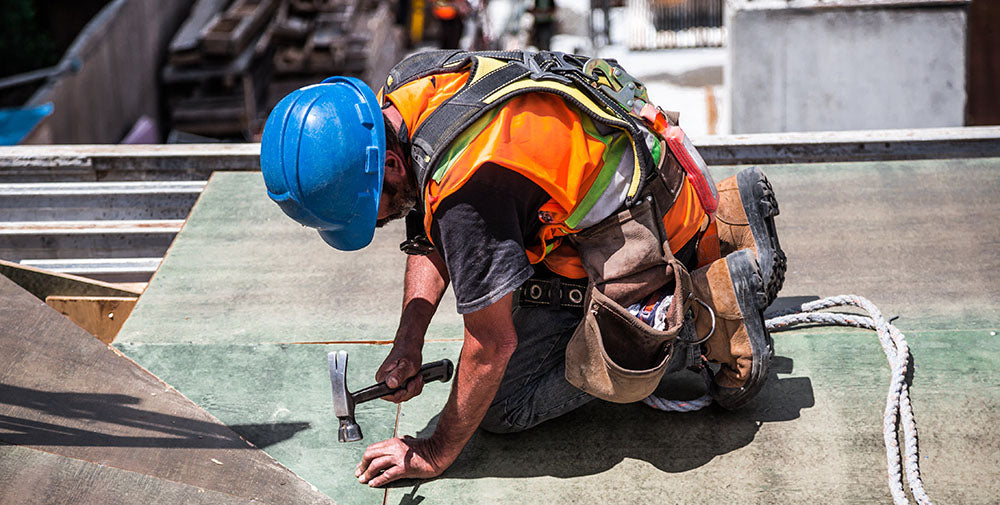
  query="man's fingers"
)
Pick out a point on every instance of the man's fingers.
point(397, 397)
point(418, 386)
point(385, 369)
point(413, 388)
point(403, 370)
point(393, 473)
point(377, 466)
point(372, 452)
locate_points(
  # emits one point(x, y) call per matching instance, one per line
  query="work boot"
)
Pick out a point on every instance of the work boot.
point(745, 220)
point(729, 314)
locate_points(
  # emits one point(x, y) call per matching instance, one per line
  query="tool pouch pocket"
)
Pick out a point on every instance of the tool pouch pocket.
point(612, 355)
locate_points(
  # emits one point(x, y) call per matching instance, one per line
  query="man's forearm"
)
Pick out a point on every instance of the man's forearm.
point(489, 343)
point(424, 284)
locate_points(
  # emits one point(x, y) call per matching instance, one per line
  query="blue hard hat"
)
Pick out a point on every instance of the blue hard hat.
point(323, 158)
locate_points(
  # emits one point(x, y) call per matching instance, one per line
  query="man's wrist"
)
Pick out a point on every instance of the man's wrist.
point(442, 451)
point(408, 341)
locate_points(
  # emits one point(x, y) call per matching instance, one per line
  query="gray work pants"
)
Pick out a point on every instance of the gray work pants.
point(534, 387)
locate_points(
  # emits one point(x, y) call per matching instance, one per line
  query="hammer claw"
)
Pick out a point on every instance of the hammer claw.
point(342, 402)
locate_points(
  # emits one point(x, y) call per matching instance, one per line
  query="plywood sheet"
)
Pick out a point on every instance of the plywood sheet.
point(101, 316)
point(279, 397)
point(918, 238)
point(30, 476)
point(240, 271)
point(65, 392)
point(914, 237)
point(814, 435)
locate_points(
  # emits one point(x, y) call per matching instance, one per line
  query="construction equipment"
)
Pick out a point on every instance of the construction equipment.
point(227, 66)
point(345, 401)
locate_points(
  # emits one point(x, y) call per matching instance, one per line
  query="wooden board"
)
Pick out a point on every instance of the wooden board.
point(184, 46)
point(29, 477)
point(43, 283)
point(64, 392)
point(101, 316)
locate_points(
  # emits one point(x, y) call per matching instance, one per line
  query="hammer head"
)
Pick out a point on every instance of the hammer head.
point(343, 402)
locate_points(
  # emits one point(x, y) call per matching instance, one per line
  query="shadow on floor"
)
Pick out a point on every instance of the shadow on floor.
point(48, 418)
point(600, 435)
point(787, 303)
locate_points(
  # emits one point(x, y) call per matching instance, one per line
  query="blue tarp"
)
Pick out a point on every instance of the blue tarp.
point(15, 124)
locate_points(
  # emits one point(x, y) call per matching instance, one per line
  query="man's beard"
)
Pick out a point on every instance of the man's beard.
point(401, 201)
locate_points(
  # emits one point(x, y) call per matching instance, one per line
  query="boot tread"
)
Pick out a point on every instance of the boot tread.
point(760, 205)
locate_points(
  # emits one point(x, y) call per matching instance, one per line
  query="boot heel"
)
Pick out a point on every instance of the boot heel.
point(760, 206)
point(749, 290)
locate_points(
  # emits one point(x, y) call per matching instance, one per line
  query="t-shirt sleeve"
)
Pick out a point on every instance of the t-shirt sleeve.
point(480, 231)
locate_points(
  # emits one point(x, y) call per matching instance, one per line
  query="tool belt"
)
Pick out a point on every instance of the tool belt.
point(612, 354)
point(556, 292)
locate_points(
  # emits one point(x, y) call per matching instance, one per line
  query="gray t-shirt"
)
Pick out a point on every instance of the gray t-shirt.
point(480, 231)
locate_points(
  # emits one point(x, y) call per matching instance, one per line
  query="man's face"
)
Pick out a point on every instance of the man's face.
point(399, 194)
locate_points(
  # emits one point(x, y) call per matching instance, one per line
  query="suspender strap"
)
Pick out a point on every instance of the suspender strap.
point(499, 81)
point(435, 62)
point(450, 119)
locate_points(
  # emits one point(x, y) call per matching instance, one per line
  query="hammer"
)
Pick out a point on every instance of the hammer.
point(344, 401)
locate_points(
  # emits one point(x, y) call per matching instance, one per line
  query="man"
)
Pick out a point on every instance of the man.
point(550, 194)
point(451, 16)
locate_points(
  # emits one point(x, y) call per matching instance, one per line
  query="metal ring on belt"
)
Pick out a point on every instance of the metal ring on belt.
point(711, 332)
point(555, 292)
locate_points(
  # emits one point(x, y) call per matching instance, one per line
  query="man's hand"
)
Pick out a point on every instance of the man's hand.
point(402, 458)
point(402, 363)
point(490, 340)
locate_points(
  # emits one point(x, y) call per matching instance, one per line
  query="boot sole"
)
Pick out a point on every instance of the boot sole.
point(750, 295)
point(761, 206)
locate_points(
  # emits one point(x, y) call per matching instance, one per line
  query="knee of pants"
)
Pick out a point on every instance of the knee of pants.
point(498, 421)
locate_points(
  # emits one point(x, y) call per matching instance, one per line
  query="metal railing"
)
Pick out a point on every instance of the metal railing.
point(662, 24)
point(111, 231)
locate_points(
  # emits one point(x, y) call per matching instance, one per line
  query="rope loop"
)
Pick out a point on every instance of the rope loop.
point(898, 410)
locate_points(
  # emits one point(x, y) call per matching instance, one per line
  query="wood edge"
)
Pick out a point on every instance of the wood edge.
point(123, 289)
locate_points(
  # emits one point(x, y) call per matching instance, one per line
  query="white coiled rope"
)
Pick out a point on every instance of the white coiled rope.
point(897, 401)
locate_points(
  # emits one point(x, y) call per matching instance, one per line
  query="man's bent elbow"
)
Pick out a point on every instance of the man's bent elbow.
point(492, 330)
point(493, 345)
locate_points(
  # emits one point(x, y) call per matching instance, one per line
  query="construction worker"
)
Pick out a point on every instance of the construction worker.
point(450, 15)
point(551, 195)
point(543, 26)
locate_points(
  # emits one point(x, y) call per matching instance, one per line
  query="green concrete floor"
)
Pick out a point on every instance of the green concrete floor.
point(243, 287)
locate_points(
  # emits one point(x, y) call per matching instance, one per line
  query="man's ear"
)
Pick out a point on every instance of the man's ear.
point(394, 161)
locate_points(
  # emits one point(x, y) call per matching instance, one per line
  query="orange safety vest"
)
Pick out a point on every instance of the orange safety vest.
point(588, 169)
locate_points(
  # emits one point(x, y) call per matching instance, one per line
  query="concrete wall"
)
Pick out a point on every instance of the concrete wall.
point(853, 67)
point(121, 50)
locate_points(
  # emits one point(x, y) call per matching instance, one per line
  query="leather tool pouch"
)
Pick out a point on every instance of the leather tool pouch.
point(612, 355)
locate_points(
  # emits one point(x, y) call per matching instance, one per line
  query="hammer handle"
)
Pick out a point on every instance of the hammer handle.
point(438, 370)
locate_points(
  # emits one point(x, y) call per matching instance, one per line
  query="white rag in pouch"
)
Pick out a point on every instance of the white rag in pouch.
point(653, 311)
